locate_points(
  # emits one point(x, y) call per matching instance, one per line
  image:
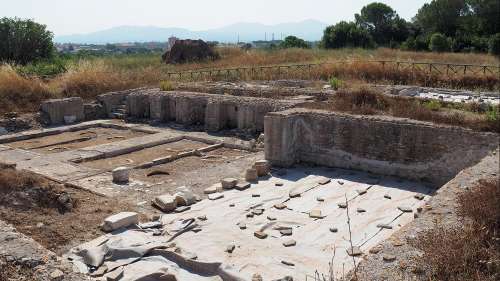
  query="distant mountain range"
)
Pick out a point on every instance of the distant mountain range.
point(309, 30)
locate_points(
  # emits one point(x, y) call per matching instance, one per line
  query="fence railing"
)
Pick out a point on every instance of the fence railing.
point(281, 71)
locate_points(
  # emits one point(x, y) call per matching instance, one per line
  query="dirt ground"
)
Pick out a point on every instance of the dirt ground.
point(39, 208)
point(171, 171)
point(145, 155)
point(74, 140)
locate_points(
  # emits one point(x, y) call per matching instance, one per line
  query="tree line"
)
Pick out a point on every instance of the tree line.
point(441, 25)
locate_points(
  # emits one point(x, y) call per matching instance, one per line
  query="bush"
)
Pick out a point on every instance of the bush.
point(494, 45)
point(24, 41)
point(346, 34)
point(439, 43)
point(294, 42)
point(44, 68)
point(335, 83)
point(433, 105)
point(166, 86)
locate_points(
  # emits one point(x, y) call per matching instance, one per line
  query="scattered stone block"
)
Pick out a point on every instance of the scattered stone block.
point(228, 183)
point(342, 205)
point(289, 243)
point(389, 258)
point(316, 214)
point(242, 185)
point(115, 275)
point(360, 210)
point(387, 196)
point(121, 175)
point(286, 231)
point(120, 220)
point(202, 218)
point(255, 195)
point(419, 196)
point(263, 168)
point(242, 225)
point(280, 206)
point(384, 226)
point(324, 180)
point(334, 229)
point(340, 182)
point(230, 248)
point(320, 199)
point(232, 205)
point(182, 209)
point(256, 277)
point(361, 191)
point(56, 275)
point(251, 175)
point(287, 262)
point(184, 196)
point(215, 196)
point(213, 189)
point(260, 234)
point(375, 250)
point(354, 251)
point(258, 212)
point(249, 215)
point(271, 218)
point(165, 203)
point(279, 184)
point(54, 111)
point(405, 209)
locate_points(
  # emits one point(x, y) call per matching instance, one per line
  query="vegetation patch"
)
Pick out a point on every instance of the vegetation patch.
point(470, 251)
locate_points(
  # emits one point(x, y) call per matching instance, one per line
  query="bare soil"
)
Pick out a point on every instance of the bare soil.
point(55, 216)
point(145, 155)
point(14, 272)
point(176, 169)
point(75, 140)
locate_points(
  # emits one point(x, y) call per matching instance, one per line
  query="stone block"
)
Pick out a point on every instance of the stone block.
point(184, 196)
point(229, 183)
point(120, 220)
point(166, 202)
point(263, 168)
point(121, 175)
point(54, 111)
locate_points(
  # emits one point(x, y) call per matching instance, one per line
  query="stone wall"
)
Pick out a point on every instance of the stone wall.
point(61, 111)
point(215, 112)
point(390, 146)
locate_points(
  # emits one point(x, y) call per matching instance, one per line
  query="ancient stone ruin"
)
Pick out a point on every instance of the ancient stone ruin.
point(236, 184)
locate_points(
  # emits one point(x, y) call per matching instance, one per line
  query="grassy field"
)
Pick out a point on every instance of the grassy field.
point(92, 76)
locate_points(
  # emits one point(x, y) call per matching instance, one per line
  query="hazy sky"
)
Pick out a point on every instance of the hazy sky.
point(80, 16)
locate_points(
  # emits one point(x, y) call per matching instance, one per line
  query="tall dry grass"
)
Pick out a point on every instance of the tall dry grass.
point(93, 76)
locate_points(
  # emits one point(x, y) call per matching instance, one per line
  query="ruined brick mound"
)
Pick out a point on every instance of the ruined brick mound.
point(188, 51)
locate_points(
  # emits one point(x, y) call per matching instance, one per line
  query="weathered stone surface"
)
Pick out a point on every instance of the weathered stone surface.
point(375, 250)
point(360, 210)
point(280, 206)
point(289, 263)
point(384, 226)
point(342, 205)
point(55, 110)
point(271, 218)
point(166, 202)
point(389, 258)
point(334, 229)
point(184, 196)
point(258, 212)
point(120, 220)
point(256, 277)
point(230, 248)
point(242, 225)
point(279, 184)
point(387, 196)
point(121, 175)
point(286, 231)
point(324, 180)
point(405, 209)
point(213, 189)
point(419, 196)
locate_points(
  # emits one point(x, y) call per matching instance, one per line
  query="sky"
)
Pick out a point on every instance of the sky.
point(64, 17)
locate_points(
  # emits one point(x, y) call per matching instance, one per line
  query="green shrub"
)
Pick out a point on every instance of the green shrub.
point(166, 86)
point(43, 68)
point(346, 34)
point(494, 45)
point(439, 43)
point(335, 83)
point(433, 105)
point(294, 42)
point(492, 114)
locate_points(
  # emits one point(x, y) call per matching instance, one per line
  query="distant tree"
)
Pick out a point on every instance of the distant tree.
point(24, 41)
point(294, 42)
point(346, 34)
point(441, 16)
point(494, 47)
point(439, 43)
point(383, 23)
point(483, 17)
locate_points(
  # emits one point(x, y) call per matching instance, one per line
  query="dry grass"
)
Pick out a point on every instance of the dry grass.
point(471, 251)
point(365, 101)
point(91, 77)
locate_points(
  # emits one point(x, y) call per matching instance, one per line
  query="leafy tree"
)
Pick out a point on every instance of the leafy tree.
point(383, 23)
point(24, 41)
point(494, 47)
point(346, 34)
point(294, 42)
point(439, 43)
point(441, 16)
point(484, 17)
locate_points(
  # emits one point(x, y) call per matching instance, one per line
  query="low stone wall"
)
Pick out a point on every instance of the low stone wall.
point(390, 146)
point(215, 112)
point(54, 111)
